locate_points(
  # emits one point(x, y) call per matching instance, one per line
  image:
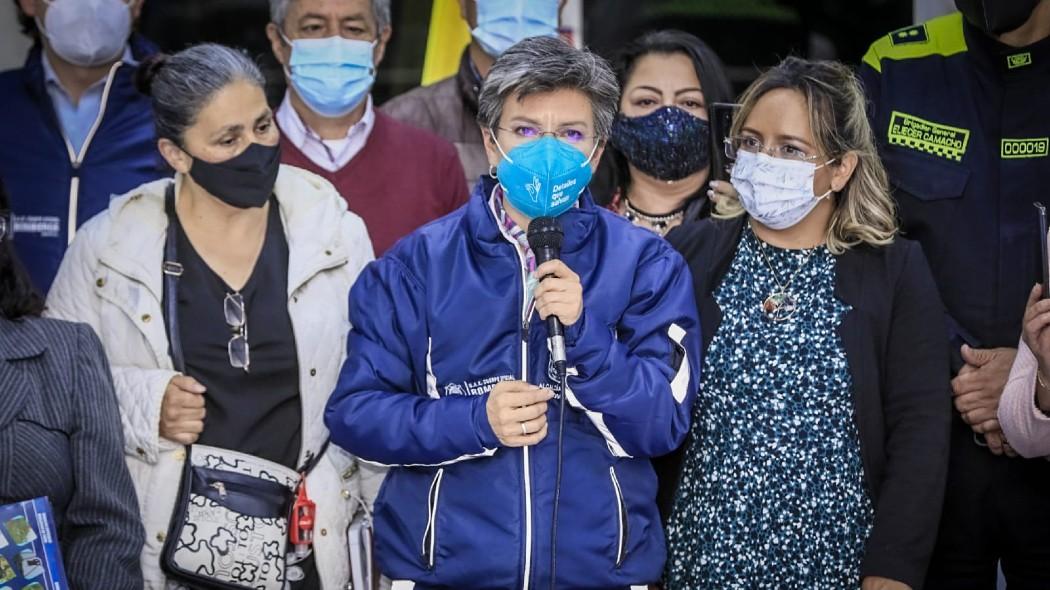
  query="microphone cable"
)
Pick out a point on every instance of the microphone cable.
point(560, 368)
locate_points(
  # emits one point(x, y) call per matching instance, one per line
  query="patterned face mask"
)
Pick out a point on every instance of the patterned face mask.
point(776, 192)
point(667, 144)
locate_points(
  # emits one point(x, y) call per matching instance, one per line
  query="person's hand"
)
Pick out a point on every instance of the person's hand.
point(182, 410)
point(874, 583)
point(721, 189)
point(560, 294)
point(997, 443)
point(517, 413)
point(980, 384)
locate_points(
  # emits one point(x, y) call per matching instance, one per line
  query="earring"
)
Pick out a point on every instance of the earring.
point(492, 172)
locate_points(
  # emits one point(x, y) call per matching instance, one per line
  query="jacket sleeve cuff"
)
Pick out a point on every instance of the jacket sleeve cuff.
point(486, 436)
point(141, 395)
point(893, 566)
point(583, 341)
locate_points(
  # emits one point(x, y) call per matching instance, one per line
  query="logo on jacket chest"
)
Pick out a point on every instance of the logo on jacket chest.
point(475, 387)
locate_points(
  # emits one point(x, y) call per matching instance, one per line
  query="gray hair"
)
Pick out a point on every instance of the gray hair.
point(546, 64)
point(380, 10)
point(181, 85)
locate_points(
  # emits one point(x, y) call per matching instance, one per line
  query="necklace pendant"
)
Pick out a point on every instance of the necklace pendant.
point(780, 306)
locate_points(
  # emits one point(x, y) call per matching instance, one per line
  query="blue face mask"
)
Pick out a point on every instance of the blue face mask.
point(502, 23)
point(544, 177)
point(667, 144)
point(332, 75)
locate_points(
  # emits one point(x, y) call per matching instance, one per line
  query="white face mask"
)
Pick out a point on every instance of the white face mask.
point(87, 33)
point(776, 192)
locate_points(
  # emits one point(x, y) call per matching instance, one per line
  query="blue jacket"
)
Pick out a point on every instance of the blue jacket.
point(54, 191)
point(437, 322)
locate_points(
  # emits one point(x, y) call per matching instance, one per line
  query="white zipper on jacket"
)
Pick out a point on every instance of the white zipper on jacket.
point(76, 159)
point(526, 311)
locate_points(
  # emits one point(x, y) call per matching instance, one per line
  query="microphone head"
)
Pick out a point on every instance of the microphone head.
point(545, 233)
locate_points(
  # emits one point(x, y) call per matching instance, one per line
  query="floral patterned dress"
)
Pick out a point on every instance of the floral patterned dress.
point(772, 493)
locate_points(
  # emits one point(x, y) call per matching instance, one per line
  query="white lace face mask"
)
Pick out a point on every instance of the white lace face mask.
point(776, 192)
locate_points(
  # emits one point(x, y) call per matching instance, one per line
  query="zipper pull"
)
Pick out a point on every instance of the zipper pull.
point(525, 331)
point(221, 487)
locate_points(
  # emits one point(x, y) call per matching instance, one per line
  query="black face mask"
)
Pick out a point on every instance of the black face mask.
point(667, 144)
point(244, 181)
point(996, 17)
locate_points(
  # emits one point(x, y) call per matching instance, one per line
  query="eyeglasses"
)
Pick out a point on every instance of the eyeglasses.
point(6, 227)
point(237, 320)
point(747, 143)
point(527, 133)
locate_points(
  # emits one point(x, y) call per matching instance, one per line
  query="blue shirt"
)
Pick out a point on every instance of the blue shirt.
point(76, 118)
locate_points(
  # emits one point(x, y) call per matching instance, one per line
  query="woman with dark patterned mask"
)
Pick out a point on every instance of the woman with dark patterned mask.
point(661, 157)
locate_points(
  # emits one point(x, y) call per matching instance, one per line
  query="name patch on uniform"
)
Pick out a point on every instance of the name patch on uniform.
point(916, 34)
point(926, 136)
point(1036, 147)
point(1018, 60)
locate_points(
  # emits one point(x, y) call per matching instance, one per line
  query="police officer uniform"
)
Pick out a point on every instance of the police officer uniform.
point(962, 122)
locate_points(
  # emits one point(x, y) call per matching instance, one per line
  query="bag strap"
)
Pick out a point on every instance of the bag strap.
point(172, 271)
point(312, 460)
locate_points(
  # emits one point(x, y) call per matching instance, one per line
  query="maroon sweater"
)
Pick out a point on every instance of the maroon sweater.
point(403, 178)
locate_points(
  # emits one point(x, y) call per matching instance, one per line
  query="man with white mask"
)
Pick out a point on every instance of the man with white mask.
point(450, 107)
point(396, 177)
point(75, 130)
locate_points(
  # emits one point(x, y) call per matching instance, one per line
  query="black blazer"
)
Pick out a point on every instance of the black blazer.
point(898, 358)
point(60, 437)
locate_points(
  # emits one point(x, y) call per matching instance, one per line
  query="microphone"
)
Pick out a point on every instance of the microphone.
point(545, 238)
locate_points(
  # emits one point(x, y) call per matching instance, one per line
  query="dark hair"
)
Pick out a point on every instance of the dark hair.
point(18, 296)
point(181, 85)
point(709, 70)
point(27, 23)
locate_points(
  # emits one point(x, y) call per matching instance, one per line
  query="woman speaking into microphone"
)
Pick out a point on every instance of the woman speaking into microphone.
point(449, 376)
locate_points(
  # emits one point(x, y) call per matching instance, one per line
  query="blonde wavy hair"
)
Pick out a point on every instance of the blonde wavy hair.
point(865, 212)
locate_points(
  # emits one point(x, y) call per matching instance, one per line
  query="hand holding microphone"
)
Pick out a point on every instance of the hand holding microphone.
point(559, 296)
point(559, 293)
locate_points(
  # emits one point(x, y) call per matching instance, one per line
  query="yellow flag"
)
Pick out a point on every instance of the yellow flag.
point(447, 37)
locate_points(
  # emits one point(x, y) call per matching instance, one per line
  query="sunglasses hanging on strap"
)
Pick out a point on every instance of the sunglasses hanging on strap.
point(238, 516)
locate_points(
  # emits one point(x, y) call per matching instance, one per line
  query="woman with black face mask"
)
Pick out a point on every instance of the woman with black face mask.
point(220, 297)
point(660, 161)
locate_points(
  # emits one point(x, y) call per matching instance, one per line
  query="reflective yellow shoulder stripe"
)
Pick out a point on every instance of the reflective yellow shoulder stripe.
point(944, 37)
point(447, 36)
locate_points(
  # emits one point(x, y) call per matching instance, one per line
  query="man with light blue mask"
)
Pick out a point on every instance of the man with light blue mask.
point(396, 177)
point(75, 129)
point(449, 107)
point(512, 468)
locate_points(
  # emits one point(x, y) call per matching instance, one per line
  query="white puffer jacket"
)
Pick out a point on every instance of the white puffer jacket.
point(111, 279)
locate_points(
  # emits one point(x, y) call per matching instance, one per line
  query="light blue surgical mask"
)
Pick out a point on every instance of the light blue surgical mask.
point(332, 75)
point(544, 177)
point(502, 23)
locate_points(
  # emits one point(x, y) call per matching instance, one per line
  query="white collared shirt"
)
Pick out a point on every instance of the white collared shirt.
point(329, 154)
